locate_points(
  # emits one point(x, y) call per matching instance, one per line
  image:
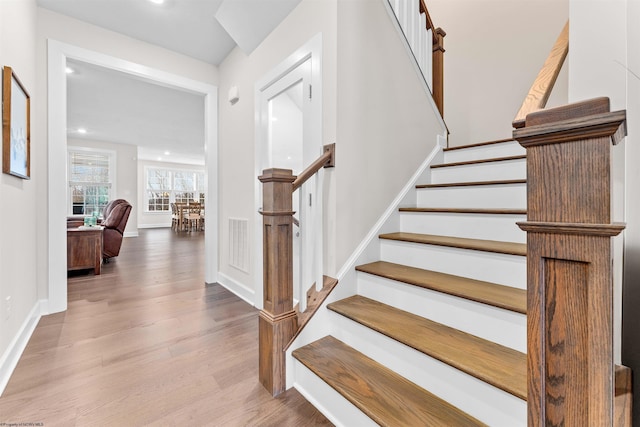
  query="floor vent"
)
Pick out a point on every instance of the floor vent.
point(238, 243)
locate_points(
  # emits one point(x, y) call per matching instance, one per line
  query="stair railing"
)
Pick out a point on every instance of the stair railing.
point(425, 42)
point(278, 320)
point(542, 86)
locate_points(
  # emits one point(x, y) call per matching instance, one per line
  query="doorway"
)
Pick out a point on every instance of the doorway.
point(57, 134)
point(288, 136)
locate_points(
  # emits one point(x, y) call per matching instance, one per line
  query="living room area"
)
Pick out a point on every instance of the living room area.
point(152, 162)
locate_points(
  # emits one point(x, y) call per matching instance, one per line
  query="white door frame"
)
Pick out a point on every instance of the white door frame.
point(312, 50)
point(58, 53)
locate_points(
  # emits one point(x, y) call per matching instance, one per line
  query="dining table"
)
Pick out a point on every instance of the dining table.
point(184, 209)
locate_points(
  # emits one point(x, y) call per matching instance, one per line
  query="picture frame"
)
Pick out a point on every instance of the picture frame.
point(16, 126)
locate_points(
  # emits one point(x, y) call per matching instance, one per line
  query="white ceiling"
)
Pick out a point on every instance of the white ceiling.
point(117, 107)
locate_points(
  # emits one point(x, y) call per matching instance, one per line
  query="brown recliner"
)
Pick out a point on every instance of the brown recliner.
point(116, 215)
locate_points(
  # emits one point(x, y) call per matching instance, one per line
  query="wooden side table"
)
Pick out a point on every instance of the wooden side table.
point(84, 248)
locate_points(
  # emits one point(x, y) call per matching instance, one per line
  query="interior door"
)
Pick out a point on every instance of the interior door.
point(285, 106)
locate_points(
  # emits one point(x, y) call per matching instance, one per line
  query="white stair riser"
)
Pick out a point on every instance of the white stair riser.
point(491, 171)
point(491, 323)
point(491, 151)
point(474, 226)
point(477, 398)
point(510, 196)
point(509, 270)
point(327, 400)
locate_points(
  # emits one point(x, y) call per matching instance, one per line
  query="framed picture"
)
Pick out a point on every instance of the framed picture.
point(16, 131)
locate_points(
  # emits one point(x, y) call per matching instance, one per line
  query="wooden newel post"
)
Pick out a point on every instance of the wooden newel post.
point(438, 69)
point(278, 321)
point(569, 268)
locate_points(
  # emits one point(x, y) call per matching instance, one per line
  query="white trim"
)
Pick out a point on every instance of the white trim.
point(11, 356)
point(241, 290)
point(196, 170)
point(113, 167)
point(392, 209)
point(311, 49)
point(414, 62)
point(130, 234)
point(58, 53)
point(163, 225)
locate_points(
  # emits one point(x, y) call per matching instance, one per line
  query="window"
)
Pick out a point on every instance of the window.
point(158, 187)
point(165, 186)
point(90, 181)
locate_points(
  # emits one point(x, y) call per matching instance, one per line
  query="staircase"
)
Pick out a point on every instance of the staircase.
point(436, 334)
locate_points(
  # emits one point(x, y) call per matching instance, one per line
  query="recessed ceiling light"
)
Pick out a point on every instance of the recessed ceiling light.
point(157, 1)
point(69, 70)
point(82, 130)
point(159, 159)
point(166, 153)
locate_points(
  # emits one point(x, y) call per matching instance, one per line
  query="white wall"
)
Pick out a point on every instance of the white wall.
point(610, 66)
point(155, 219)
point(126, 177)
point(21, 207)
point(631, 281)
point(237, 122)
point(494, 50)
point(386, 126)
point(597, 68)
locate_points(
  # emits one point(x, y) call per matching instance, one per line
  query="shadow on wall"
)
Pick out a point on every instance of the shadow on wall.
point(631, 324)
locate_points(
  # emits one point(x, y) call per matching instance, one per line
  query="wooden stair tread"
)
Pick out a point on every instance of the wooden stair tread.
point(466, 210)
point(509, 248)
point(479, 161)
point(473, 183)
point(384, 396)
point(476, 290)
point(478, 144)
point(492, 363)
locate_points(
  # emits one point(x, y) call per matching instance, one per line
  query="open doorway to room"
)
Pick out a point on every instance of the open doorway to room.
point(289, 135)
point(120, 119)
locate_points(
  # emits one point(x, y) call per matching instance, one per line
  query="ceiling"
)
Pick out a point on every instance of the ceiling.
point(116, 107)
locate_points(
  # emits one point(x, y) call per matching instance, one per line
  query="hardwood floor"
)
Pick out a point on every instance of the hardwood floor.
point(148, 343)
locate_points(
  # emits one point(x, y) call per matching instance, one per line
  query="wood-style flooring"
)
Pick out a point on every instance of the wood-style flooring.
point(148, 343)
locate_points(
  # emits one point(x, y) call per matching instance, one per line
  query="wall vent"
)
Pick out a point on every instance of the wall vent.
point(239, 243)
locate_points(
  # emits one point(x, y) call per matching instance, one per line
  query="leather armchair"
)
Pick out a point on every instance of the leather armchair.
point(116, 215)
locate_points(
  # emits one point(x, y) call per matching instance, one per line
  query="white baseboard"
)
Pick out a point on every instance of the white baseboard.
point(241, 290)
point(11, 356)
point(162, 225)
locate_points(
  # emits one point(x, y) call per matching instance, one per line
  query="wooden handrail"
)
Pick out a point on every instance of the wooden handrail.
point(436, 81)
point(423, 9)
point(542, 86)
point(326, 160)
point(437, 49)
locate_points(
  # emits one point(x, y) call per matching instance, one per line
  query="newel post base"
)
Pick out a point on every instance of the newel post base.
point(569, 263)
point(278, 321)
point(274, 335)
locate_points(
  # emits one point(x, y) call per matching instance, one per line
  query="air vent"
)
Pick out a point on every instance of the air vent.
point(239, 244)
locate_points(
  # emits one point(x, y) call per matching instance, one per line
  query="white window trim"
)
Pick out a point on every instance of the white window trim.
point(113, 167)
point(171, 191)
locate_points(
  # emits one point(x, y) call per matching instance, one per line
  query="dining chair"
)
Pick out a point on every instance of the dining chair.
point(193, 217)
point(175, 217)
